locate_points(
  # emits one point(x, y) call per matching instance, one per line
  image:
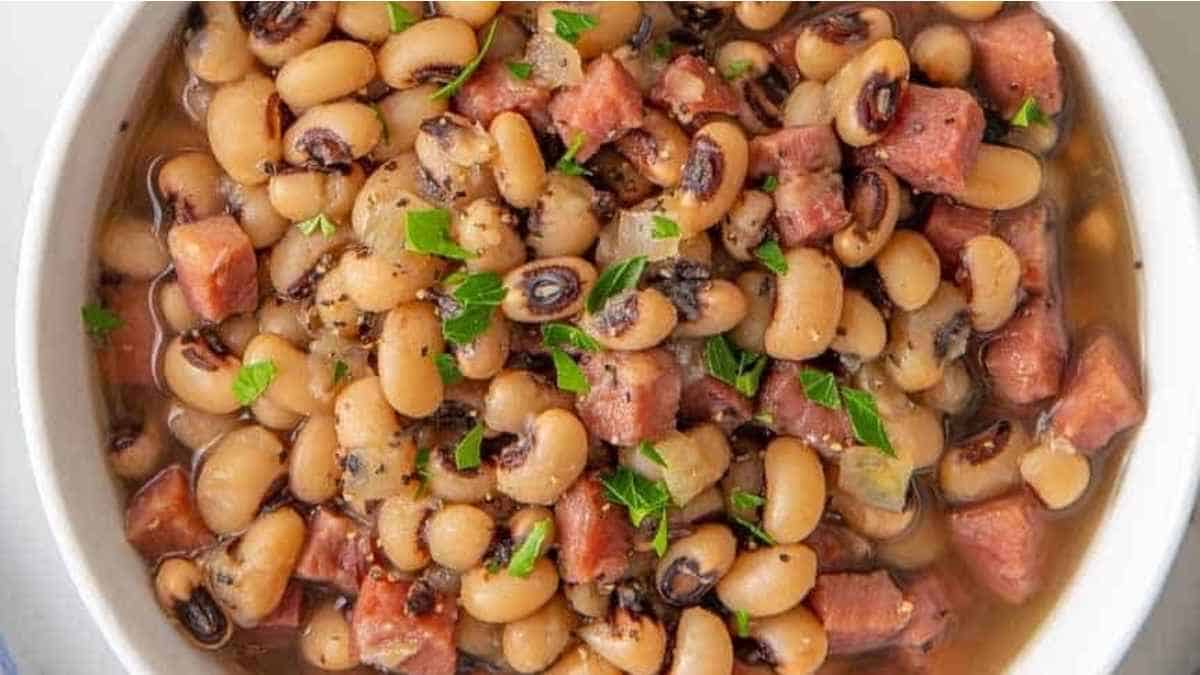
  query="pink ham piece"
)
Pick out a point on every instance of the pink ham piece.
point(126, 355)
point(1014, 59)
point(216, 267)
point(781, 399)
point(934, 139)
point(949, 228)
point(337, 551)
point(690, 89)
point(162, 518)
point(838, 548)
point(809, 208)
point(795, 151)
point(493, 90)
point(1026, 357)
point(402, 626)
point(939, 601)
point(860, 612)
point(634, 396)
point(1102, 396)
point(1002, 541)
point(708, 399)
point(595, 537)
point(602, 108)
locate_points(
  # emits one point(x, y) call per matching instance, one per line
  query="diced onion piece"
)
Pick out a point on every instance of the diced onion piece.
point(874, 478)
point(555, 61)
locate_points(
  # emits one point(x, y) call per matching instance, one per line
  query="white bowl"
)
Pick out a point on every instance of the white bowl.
point(1098, 613)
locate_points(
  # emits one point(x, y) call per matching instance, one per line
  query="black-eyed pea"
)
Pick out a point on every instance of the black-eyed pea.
point(796, 640)
point(547, 289)
point(768, 580)
point(249, 574)
point(531, 644)
point(370, 21)
point(953, 393)
point(245, 128)
point(615, 23)
point(200, 371)
point(487, 229)
point(747, 58)
point(372, 474)
point(477, 14)
point(251, 205)
point(401, 113)
point(695, 460)
point(400, 521)
point(237, 331)
point(236, 476)
point(190, 184)
point(514, 396)
point(702, 644)
point(712, 177)
point(973, 11)
point(313, 469)
point(325, 640)
point(587, 600)
point(324, 73)
point(302, 195)
point(173, 307)
point(579, 660)
point(865, 94)
point(298, 260)
point(1002, 178)
point(658, 148)
point(458, 536)
point(467, 486)
point(478, 638)
point(709, 504)
point(331, 135)
point(871, 521)
point(281, 317)
point(218, 49)
point(635, 643)
point(985, 464)
point(830, 41)
point(1040, 139)
point(943, 53)
point(454, 151)
point(129, 247)
point(694, 564)
point(543, 463)
point(795, 490)
point(1056, 471)
point(991, 273)
point(563, 221)
point(381, 207)
point(861, 331)
point(291, 388)
point(279, 33)
point(521, 523)
point(910, 269)
point(179, 588)
point(633, 320)
point(923, 543)
point(808, 306)
point(519, 169)
point(137, 453)
point(486, 354)
point(510, 39)
point(411, 337)
point(807, 104)
point(915, 431)
point(759, 290)
point(875, 200)
point(722, 305)
point(433, 50)
point(336, 311)
point(503, 598)
point(922, 342)
point(746, 225)
point(757, 15)
point(272, 416)
point(194, 428)
point(374, 283)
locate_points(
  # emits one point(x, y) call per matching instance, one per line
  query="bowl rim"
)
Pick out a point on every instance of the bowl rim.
point(1143, 96)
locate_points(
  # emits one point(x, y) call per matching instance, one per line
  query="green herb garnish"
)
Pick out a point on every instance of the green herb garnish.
point(647, 450)
point(755, 530)
point(341, 371)
point(821, 387)
point(385, 133)
point(770, 184)
point(451, 88)
point(661, 535)
point(555, 334)
point(865, 420)
point(99, 321)
point(252, 380)
point(519, 70)
point(318, 222)
point(737, 68)
point(447, 368)
point(739, 369)
point(664, 228)
point(663, 49)
point(399, 17)
point(741, 621)
point(467, 454)
point(771, 256)
point(477, 296)
point(746, 501)
point(570, 25)
point(421, 470)
point(567, 164)
point(568, 375)
point(617, 277)
point(428, 231)
point(523, 559)
point(640, 495)
point(1029, 113)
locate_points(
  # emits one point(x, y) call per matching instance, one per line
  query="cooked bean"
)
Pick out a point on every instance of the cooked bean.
point(563, 221)
point(249, 574)
point(533, 643)
point(702, 645)
point(991, 272)
point(875, 200)
point(200, 372)
point(828, 42)
point(759, 290)
point(179, 587)
point(504, 598)
point(236, 476)
point(333, 305)
point(324, 73)
point(282, 318)
point(401, 113)
point(915, 431)
point(411, 337)
point(477, 14)
point(694, 564)
point(312, 463)
point(218, 50)
point(746, 225)
point(634, 643)
point(543, 463)
point(973, 11)
point(251, 205)
point(281, 32)
point(547, 289)
point(922, 342)
point(331, 135)
point(633, 320)
point(136, 454)
point(808, 305)
point(984, 465)
point(615, 22)
point(909, 268)
point(769, 580)
point(458, 536)
point(245, 128)
point(374, 473)
point(1002, 178)
point(292, 387)
point(796, 641)
point(486, 354)
point(363, 416)
point(325, 641)
point(871, 521)
point(173, 307)
point(273, 416)
point(1058, 474)
point(369, 21)
point(861, 332)
point(759, 16)
point(129, 247)
point(704, 506)
point(521, 523)
point(943, 52)
point(453, 152)
point(402, 517)
point(487, 229)
point(478, 638)
point(195, 429)
point(380, 210)
point(513, 396)
point(722, 306)
point(658, 148)
point(712, 177)
point(795, 490)
point(469, 486)
point(190, 184)
point(580, 660)
point(953, 393)
point(751, 58)
point(376, 284)
point(920, 546)
point(807, 104)
point(433, 50)
point(237, 331)
point(866, 92)
point(301, 195)
point(587, 599)
point(518, 168)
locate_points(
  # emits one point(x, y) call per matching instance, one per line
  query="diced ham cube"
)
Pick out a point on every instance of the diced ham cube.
point(1025, 359)
point(795, 150)
point(789, 411)
point(216, 267)
point(839, 549)
point(162, 518)
point(493, 90)
point(689, 88)
point(594, 536)
point(603, 107)
point(939, 600)
point(809, 208)
point(1002, 541)
point(1026, 231)
point(126, 355)
point(337, 552)
point(403, 626)
point(934, 140)
point(949, 228)
point(1102, 395)
point(1014, 59)
point(634, 395)
point(708, 399)
point(860, 612)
